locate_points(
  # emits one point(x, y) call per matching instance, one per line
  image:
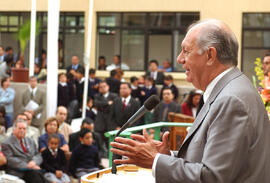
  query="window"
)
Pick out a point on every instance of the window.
point(139, 37)
point(71, 32)
point(256, 39)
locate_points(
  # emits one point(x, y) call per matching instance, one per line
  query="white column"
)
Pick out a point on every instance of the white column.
point(52, 59)
point(32, 38)
point(87, 56)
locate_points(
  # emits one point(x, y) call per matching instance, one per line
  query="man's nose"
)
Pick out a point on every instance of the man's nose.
point(180, 58)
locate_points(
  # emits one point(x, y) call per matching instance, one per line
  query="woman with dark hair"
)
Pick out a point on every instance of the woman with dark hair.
point(190, 106)
point(7, 96)
point(51, 127)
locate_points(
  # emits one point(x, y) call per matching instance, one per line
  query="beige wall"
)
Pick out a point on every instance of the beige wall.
point(229, 11)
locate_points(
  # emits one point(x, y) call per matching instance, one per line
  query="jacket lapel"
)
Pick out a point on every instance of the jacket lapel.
point(205, 109)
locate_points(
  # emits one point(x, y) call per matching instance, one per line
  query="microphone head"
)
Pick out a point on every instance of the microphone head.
point(151, 102)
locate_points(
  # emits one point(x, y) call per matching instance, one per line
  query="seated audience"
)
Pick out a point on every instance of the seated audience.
point(84, 158)
point(74, 138)
point(33, 93)
point(167, 105)
point(54, 161)
point(31, 132)
point(189, 107)
point(74, 67)
point(136, 90)
point(40, 73)
point(166, 66)
point(123, 108)
point(2, 124)
point(66, 91)
point(168, 82)
point(23, 158)
point(117, 64)
point(102, 63)
point(5, 67)
point(51, 127)
point(7, 96)
point(14, 179)
point(154, 73)
point(64, 128)
point(114, 81)
point(148, 89)
point(91, 110)
point(93, 83)
point(42, 60)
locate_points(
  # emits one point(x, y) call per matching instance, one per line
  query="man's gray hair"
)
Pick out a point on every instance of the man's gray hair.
point(223, 40)
point(19, 121)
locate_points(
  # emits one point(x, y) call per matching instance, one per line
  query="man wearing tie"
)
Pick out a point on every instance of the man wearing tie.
point(154, 73)
point(229, 141)
point(123, 107)
point(23, 158)
point(36, 95)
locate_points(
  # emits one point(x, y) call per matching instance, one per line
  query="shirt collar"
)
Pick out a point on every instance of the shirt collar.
point(52, 151)
point(213, 83)
point(127, 99)
point(106, 95)
point(34, 90)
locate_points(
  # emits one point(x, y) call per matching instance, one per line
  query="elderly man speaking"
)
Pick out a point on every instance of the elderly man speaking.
point(229, 140)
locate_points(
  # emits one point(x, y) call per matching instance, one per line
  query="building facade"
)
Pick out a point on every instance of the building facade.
point(140, 31)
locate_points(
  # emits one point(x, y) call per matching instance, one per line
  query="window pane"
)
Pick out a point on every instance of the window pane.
point(3, 20)
point(134, 19)
point(162, 19)
point(133, 49)
point(13, 29)
point(177, 40)
point(70, 21)
point(160, 46)
point(3, 29)
point(185, 19)
point(13, 20)
point(109, 19)
point(257, 38)
point(81, 20)
point(108, 45)
point(256, 20)
point(249, 56)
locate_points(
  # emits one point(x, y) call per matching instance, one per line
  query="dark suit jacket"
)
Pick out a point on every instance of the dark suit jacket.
point(91, 90)
point(114, 85)
point(160, 77)
point(158, 112)
point(65, 94)
point(51, 163)
point(229, 139)
point(148, 93)
point(70, 67)
point(16, 158)
point(39, 98)
point(120, 116)
point(104, 111)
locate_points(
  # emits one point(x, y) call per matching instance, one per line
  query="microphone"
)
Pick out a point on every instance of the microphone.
point(148, 105)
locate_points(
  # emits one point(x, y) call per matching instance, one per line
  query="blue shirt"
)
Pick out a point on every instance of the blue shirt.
point(43, 141)
point(6, 99)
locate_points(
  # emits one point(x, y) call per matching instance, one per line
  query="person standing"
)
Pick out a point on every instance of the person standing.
point(7, 96)
point(229, 139)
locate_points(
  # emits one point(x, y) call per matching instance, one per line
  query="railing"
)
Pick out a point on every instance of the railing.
point(129, 131)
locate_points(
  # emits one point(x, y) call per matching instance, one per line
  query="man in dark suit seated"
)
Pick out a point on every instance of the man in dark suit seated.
point(74, 138)
point(123, 107)
point(167, 105)
point(168, 82)
point(71, 69)
point(154, 73)
point(23, 157)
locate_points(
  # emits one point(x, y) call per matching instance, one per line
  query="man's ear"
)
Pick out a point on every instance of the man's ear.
point(211, 55)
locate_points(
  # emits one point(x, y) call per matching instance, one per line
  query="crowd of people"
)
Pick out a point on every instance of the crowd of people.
point(34, 150)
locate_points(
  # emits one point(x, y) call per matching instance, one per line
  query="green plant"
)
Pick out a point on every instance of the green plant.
point(23, 34)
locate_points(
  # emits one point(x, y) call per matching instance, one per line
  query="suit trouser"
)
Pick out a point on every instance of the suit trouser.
point(34, 177)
